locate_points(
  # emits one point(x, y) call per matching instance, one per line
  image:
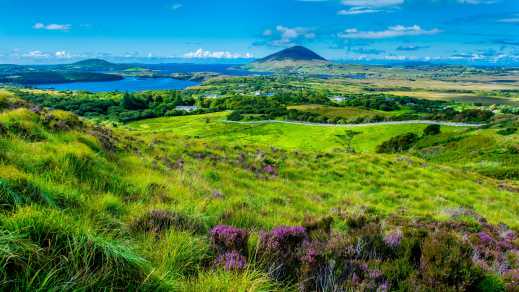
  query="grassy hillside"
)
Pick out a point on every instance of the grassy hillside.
point(90, 207)
point(492, 152)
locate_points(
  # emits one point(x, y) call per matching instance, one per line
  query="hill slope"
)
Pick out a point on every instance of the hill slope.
point(89, 207)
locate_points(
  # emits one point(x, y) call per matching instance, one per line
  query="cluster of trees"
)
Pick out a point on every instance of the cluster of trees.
point(406, 141)
point(117, 106)
point(468, 115)
point(386, 102)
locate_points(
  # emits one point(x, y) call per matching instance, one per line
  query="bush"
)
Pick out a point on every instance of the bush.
point(280, 249)
point(446, 263)
point(431, 130)
point(399, 143)
point(507, 131)
point(227, 238)
point(235, 116)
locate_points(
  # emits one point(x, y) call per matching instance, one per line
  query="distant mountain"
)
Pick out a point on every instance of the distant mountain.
point(291, 59)
point(297, 54)
point(94, 63)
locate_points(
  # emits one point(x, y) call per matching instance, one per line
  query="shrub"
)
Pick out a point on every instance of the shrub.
point(491, 283)
point(157, 221)
point(507, 131)
point(394, 238)
point(431, 130)
point(234, 116)
point(318, 229)
point(397, 144)
point(227, 238)
point(280, 250)
point(446, 263)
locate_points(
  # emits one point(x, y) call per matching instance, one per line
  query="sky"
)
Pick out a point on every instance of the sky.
point(453, 31)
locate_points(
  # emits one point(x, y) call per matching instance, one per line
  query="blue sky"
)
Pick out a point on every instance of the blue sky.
point(58, 31)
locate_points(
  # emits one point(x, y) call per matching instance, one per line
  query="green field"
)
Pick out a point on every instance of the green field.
point(212, 128)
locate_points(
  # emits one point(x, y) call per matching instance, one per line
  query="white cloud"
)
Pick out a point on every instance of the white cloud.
point(372, 3)
point(36, 54)
point(391, 32)
point(357, 11)
point(202, 54)
point(62, 55)
point(52, 26)
point(357, 7)
point(285, 36)
point(476, 2)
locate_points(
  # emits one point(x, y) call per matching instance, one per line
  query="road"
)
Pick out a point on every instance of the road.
point(426, 122)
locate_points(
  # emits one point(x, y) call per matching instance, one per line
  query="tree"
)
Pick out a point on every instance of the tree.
point(347, 139)
point(131, 102)
point(234, 116)
point(397, 144)
point(432, 130)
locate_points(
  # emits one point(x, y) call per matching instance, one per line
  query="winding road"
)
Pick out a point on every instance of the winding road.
point(426, 122)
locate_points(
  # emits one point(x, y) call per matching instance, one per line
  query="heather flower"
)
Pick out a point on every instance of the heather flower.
point(231, 261)
point(282, 249)
point(485, 238)
point(394, 238)
point(375, 274)
point(383, 287)
point(283, 238)
point(310, 256)
point(355, 279)
point(270, 170)
point(228, 238)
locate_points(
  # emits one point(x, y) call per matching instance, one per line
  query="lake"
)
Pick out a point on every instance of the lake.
point(131, 84)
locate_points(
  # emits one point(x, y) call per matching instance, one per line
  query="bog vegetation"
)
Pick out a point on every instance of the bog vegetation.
point(193, 203)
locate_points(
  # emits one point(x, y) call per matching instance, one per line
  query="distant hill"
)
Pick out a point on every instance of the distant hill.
point(94, 63)
point(291, 59)
point(295, 54)
point(54, 77)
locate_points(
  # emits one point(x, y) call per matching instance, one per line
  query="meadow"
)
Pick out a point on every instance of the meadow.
point(212, 128)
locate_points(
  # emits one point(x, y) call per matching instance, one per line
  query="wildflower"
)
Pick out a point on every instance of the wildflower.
point(375, 274)
point(394, 238)
point(283, 238)
point(383, 287)
point(310, 256)
point(485, 238)
point(228, 238)
point(270, 170)
point(231, 261)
